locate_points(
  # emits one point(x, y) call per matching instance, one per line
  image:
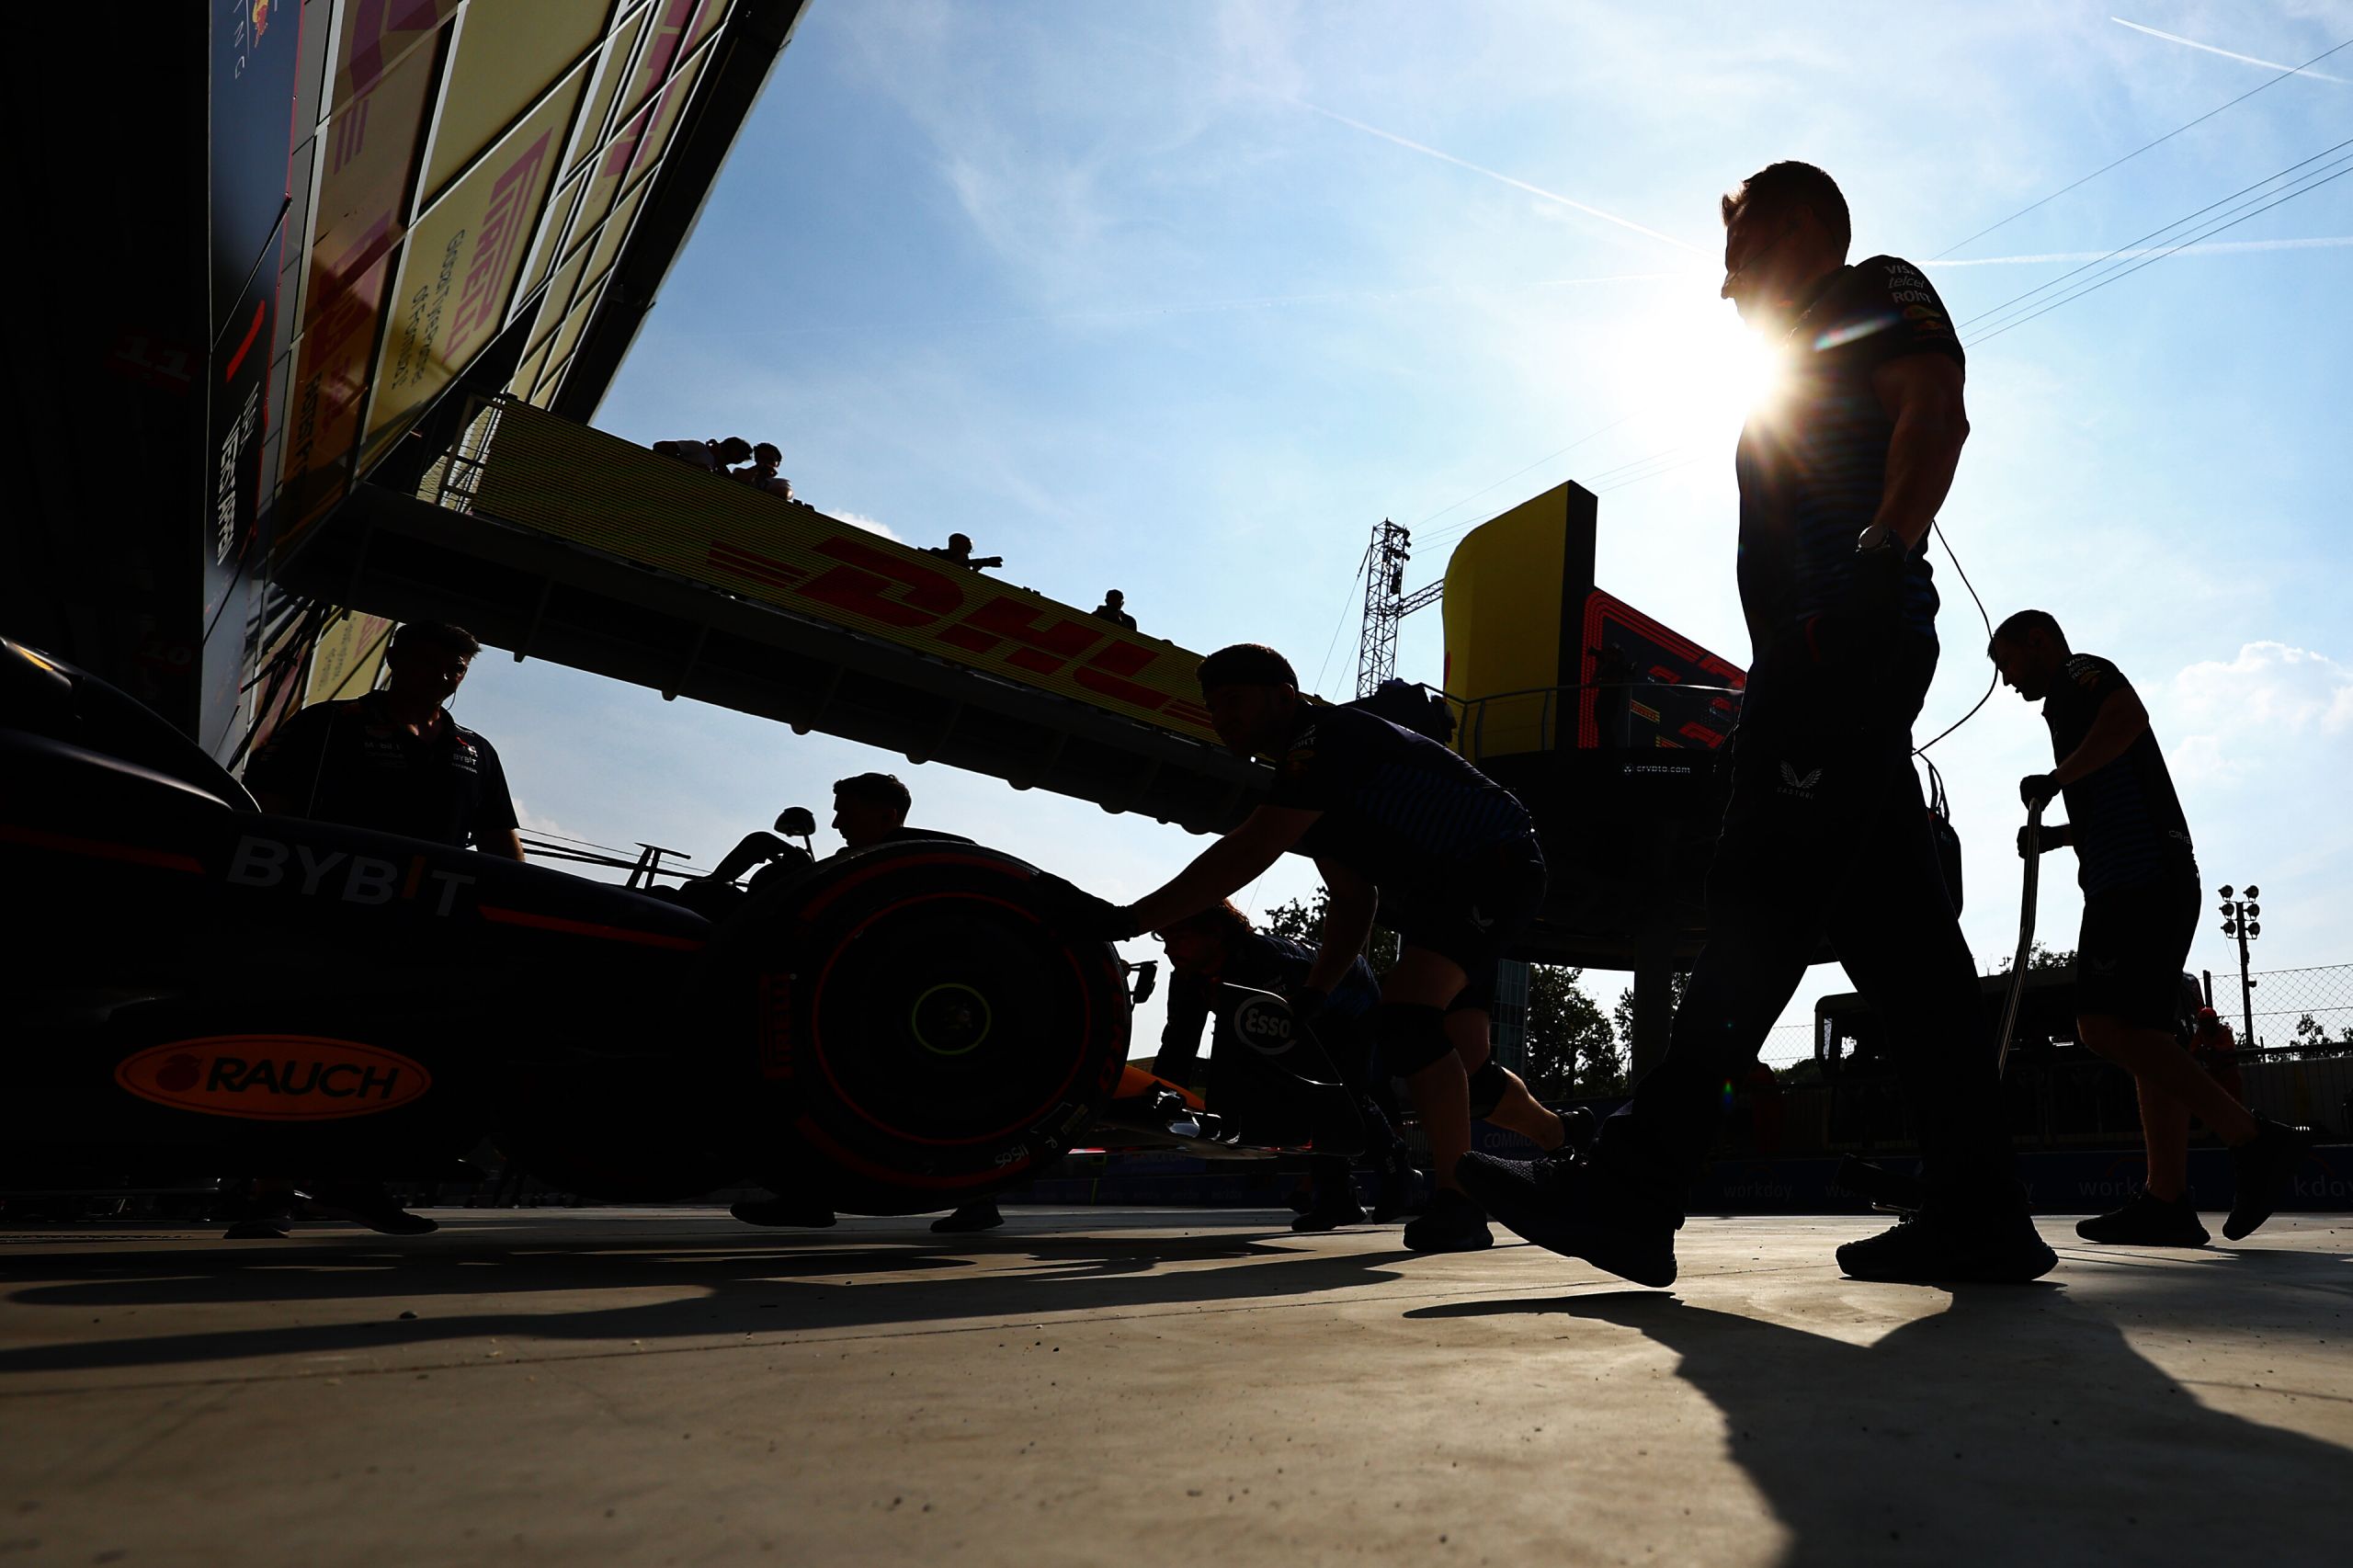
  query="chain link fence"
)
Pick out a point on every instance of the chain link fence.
point(2293, 1006)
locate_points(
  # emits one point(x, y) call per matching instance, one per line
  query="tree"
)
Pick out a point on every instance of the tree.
point(1572, 1049)
point(2040, 960)
point(2312, 1031)
point(1301, 920)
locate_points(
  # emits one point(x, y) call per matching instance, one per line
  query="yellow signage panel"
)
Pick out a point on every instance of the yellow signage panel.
point(460, 265)
point(367, 151)
point(574, 483)
point(506, 52)
point(344, 660)
point(380, 34)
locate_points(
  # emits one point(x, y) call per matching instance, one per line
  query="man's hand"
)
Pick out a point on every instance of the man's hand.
point(1077, 912)
point(2037, 789)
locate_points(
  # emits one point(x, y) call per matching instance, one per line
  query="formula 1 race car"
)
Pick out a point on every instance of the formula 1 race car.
point(193, 984)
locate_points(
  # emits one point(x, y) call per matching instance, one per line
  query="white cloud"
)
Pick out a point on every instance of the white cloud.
point(532, 821)
point(871, 525)
point(2242, 713)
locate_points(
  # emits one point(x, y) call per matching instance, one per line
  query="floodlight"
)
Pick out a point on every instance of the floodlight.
point(2254, 891)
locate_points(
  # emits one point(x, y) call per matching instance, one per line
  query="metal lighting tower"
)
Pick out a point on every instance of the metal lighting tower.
point(1386, 603)
point(2239, 920)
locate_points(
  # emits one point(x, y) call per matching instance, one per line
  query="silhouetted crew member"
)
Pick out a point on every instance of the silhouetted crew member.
point(1826, 834)
point(959, 550)
point(1397, 824)
point(2142, 897)
point(868, 809)
point(1218, 947)
point(1114, 608)
point(394, 760)
point(712, 456)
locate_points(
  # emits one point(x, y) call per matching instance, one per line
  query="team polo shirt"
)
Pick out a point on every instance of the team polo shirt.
point(353, 762)
point(2126, 820)
point(1813, 461)
point(1399, 809)
point(1267, 962)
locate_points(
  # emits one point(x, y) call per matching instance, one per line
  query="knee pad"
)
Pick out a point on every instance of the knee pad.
point(1487, 1086)
point(1410, 1036)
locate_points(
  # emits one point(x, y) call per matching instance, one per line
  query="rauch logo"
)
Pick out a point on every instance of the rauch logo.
point(273, 1077)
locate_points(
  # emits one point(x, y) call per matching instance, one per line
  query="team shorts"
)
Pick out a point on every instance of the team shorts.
point(1475, 914)
point(2131, 950)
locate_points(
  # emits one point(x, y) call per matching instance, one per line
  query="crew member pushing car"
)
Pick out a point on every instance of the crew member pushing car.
point(1397, 824)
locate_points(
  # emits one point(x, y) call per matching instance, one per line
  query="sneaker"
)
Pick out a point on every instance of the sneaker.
point(1330, 1214)
point(1568, 1206)
point(367, 1203)
point(2261, 1168)
point(1451, 1223)
point(2147, 1220)
point(981, 1216)
point(1942, 1246)
point(804, 1212)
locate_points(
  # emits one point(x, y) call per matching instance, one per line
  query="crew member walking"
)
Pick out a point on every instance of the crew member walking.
point(1825, 835)
point(2139, 874)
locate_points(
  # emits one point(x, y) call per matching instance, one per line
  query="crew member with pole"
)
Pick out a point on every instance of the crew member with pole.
point(2139, 873)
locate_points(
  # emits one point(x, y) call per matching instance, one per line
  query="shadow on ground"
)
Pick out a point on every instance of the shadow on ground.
point(2019, 1424)
point(741, 1281)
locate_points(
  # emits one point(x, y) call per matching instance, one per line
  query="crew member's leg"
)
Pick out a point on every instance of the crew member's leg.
point(2165, 1128)
point(1812, 780)
point(2128, 967)
point(1411, 1031)
point(1497, 1093)
point(1895, 933)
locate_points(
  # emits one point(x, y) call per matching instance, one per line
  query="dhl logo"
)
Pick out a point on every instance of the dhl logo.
point(911, 598)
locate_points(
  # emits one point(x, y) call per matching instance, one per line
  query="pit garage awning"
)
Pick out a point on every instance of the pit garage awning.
point(558, 541)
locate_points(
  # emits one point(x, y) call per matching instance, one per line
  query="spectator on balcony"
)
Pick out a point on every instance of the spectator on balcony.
point(959, 550)
point(712, 457)
point(1114, 609)
point(761, 474)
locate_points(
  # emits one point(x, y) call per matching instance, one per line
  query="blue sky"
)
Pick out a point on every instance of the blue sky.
point(1183, 298)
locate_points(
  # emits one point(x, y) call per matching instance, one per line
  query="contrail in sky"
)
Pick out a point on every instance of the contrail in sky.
point(2227, 54)
point(1427, 151)
point(2223, 247)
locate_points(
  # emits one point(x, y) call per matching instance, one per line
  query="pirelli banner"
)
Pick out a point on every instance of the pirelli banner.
point(564, 479)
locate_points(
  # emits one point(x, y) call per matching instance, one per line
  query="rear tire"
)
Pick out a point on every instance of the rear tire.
point(919, 1036)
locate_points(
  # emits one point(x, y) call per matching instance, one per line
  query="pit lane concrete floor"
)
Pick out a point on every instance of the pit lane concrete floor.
point(1099, 1386)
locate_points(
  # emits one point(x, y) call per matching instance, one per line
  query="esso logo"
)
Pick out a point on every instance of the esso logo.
point(1266, 1025)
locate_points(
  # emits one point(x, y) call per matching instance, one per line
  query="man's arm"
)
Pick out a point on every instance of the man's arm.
point(2120, 721)
point(1180, 1037)
point(1922, 394)
point(495, 819)
point(1348, 921)
point(1224, 866)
